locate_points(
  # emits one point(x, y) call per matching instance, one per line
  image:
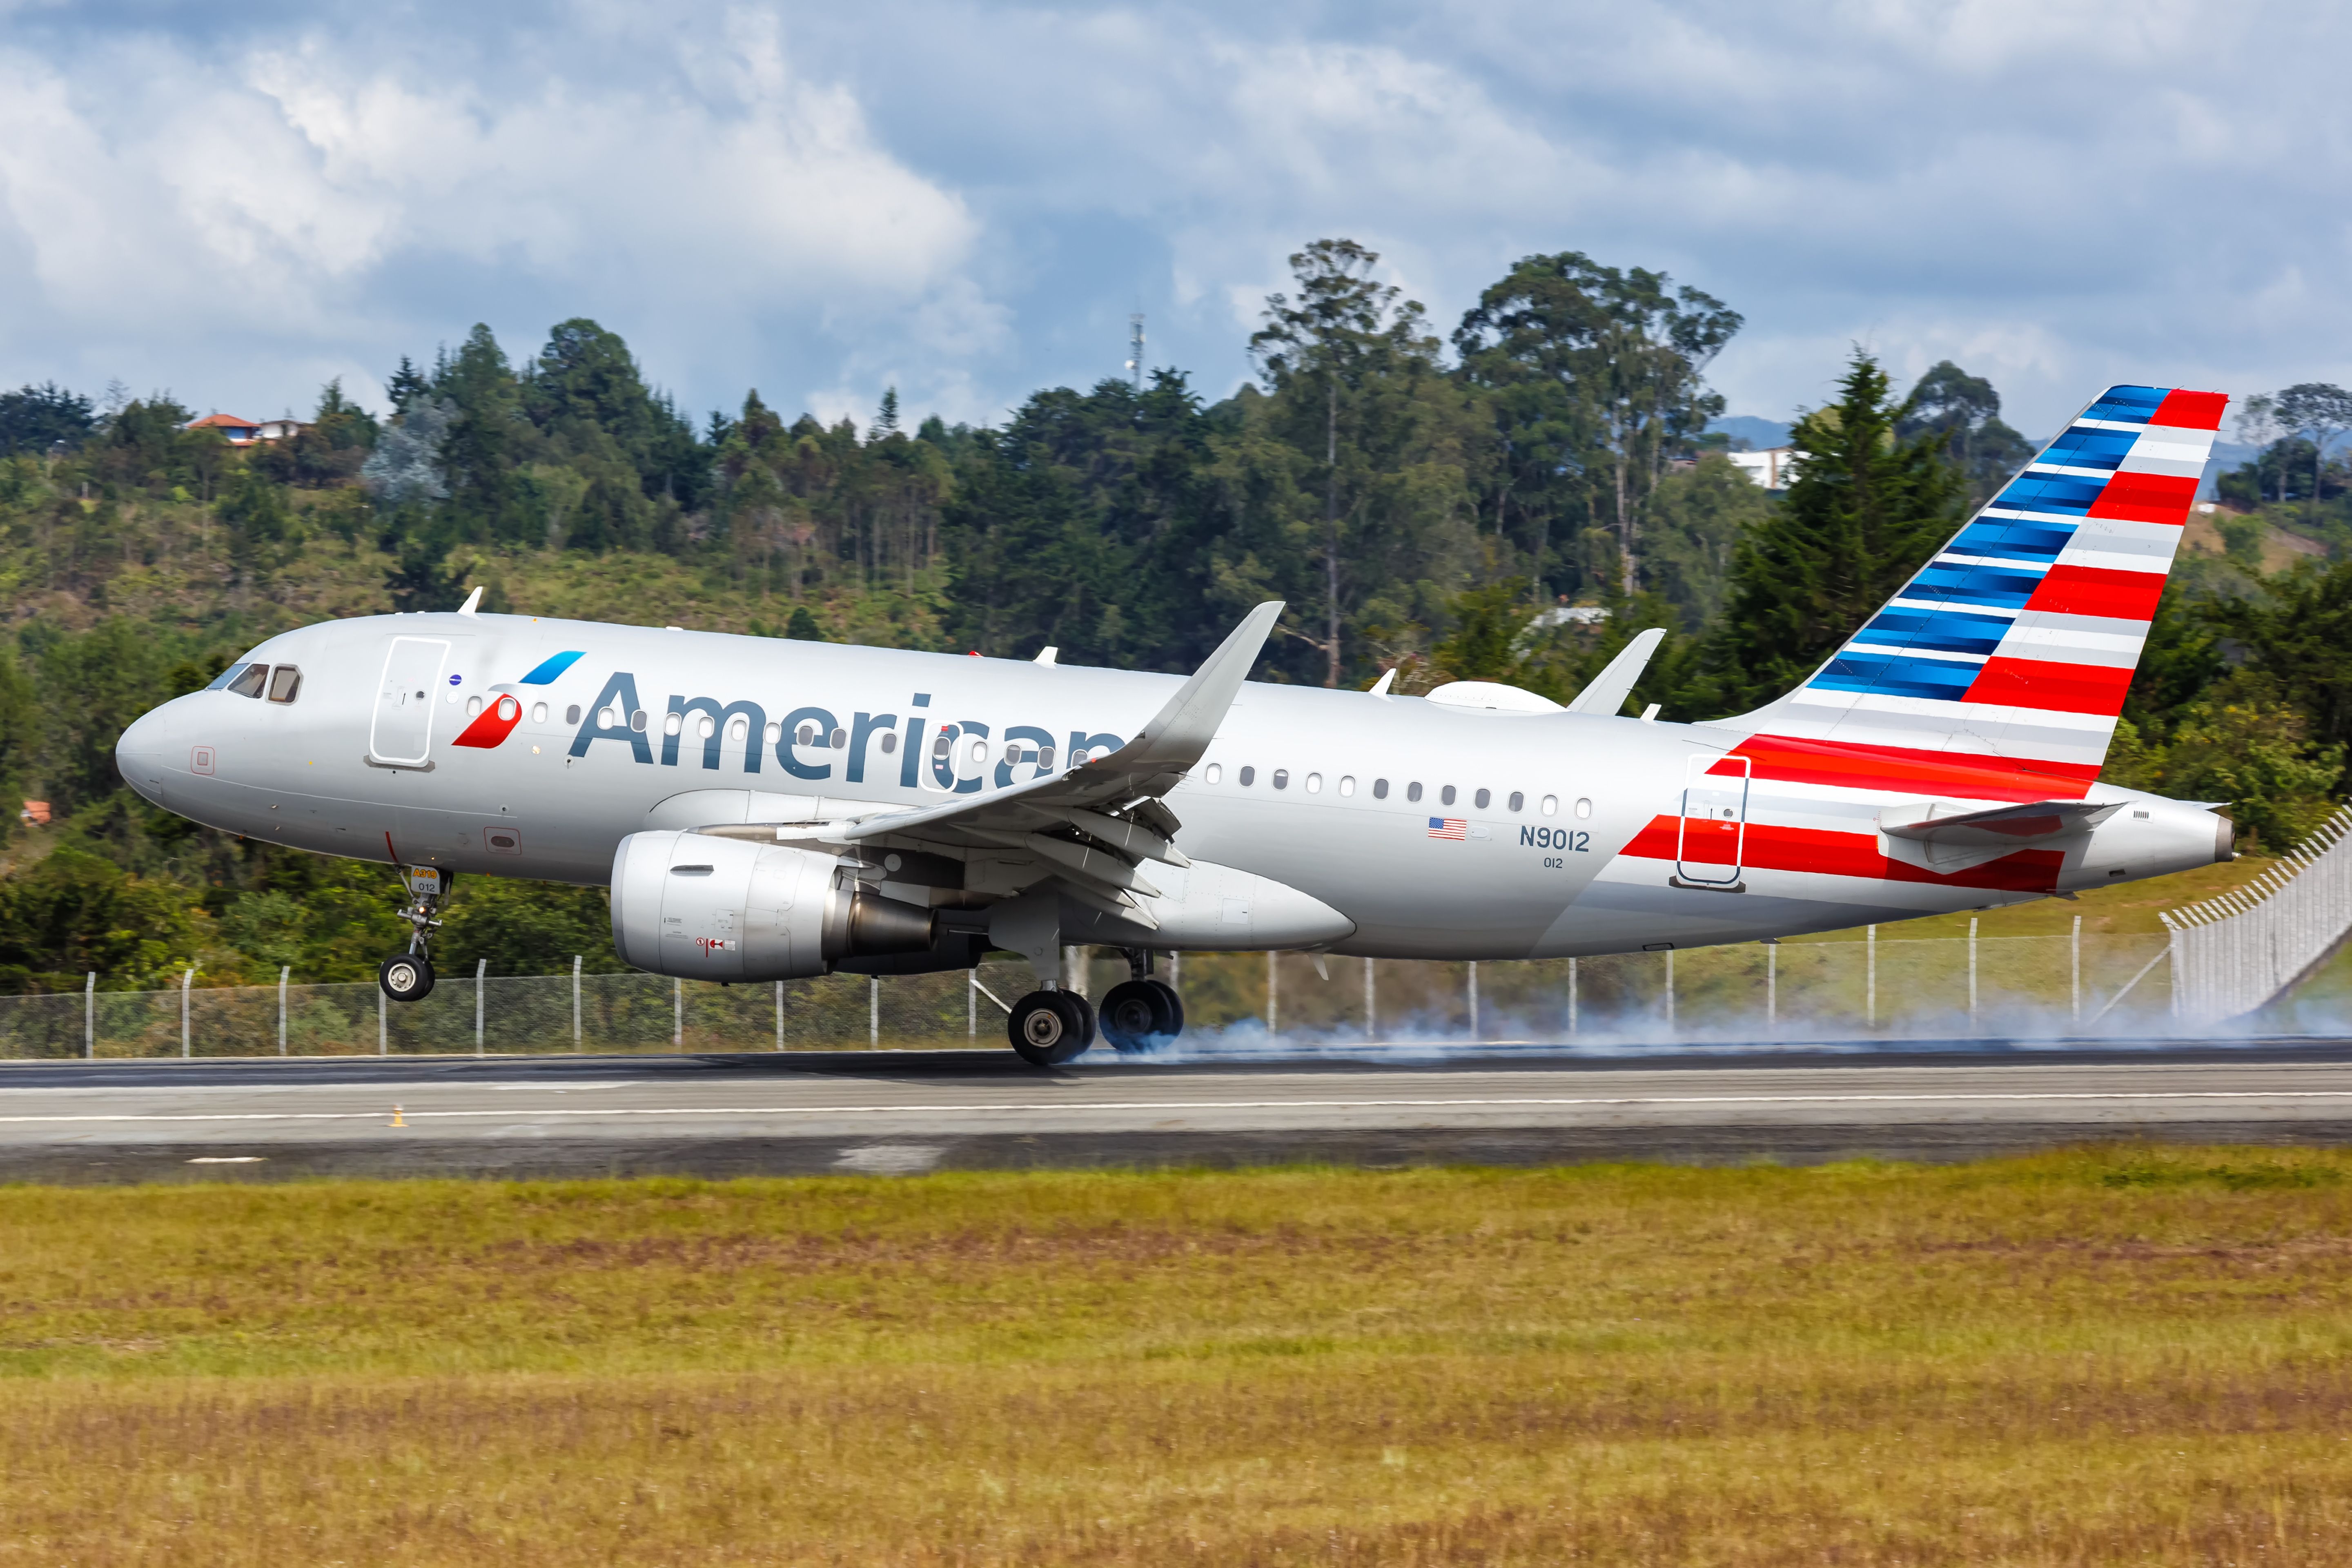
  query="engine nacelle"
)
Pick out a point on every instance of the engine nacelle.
point(705, 908)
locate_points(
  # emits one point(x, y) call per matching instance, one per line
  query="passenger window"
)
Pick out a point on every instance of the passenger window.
point(222, 681)
point(889, 741)
point(1281, 778)
point(637, 720)
point(285, 683)
point(841, 739)
point(1412, 791)
point(1552, 806)
point(940, 747)
point(1045, 758)
point(1347, 784)
point(249, 680)
point(1481, 798)
point(1380, 789)
point(1445, 795)
point(539, 712)
point(1314, 783)
point(1584, 808)
point(804, 736)
point(571, 714)
point(1217, 773)
point(1248, 777)
point(1518, 800)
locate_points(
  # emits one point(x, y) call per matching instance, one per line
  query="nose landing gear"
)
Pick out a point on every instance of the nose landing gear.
point(407, 975)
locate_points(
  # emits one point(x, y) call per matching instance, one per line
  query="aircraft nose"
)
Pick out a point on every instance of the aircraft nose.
point(140, 754)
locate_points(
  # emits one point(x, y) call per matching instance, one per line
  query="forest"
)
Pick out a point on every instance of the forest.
point(1511, 500)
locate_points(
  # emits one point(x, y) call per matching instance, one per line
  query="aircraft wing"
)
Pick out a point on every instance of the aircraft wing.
point(1091, 826)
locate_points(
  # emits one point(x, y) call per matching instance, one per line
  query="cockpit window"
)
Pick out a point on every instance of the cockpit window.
point(221, 680)
point(285, 683)
point(249, 680)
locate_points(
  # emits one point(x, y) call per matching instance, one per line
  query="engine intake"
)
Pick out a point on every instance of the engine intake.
point(704, 908)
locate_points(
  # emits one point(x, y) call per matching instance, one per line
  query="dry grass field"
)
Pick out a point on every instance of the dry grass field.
point(2116, 1356)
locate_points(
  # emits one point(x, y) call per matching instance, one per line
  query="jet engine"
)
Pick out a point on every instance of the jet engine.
point(705, 908)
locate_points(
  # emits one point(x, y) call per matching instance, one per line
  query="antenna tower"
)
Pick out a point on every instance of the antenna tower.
point(1135, 350)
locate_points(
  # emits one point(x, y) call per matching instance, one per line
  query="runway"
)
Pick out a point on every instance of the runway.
point(892, 1112)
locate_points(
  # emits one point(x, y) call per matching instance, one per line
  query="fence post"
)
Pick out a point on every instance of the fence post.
point(676, 1014)
point(1870, 977)
point(2074, 980)
point(1771, 986)
point(283, 970)
point(1372, 1004)
point(1273, 992)
point(779, 1014)
point(1473, 999)
point(576, 1002)
point(874, 1011)
point(89, 1016)
point(186, 981)
point(383, 1034)
point(970, 1004)
point(481, 972)
point(1670, 990)
point(1972, 974)
point(1571, 997)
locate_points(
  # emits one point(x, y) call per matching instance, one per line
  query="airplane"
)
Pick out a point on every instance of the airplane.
point(764, 809)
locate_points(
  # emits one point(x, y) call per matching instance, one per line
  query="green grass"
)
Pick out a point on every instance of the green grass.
point(2129, 1355)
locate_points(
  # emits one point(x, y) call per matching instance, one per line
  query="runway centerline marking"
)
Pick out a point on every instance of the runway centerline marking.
point(1468, 1103)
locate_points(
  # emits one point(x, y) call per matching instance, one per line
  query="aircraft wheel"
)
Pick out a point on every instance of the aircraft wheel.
point(1141, 1015)
point(406, 976)
point(1050, 1028)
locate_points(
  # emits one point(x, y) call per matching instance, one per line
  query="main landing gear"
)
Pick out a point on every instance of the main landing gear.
point(407, 975)
point(1139, 1015)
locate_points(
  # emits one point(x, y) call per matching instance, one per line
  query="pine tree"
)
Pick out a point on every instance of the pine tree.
point(1865, 509)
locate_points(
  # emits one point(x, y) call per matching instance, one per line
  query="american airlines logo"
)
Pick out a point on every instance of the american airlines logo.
point(956, 757)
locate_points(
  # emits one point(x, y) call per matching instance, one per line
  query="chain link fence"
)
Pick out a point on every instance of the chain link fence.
point(2010, 988)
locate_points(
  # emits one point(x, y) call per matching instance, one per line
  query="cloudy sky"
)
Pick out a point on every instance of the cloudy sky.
point(966, 200)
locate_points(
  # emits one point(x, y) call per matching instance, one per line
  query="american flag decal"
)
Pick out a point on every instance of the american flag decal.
point(1451, 828)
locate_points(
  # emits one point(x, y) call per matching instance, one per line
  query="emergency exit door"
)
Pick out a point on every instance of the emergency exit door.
point(401, 732)
point(1713, 841)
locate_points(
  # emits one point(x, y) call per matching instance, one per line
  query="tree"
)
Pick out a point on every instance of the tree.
point(1965, 411)
point(2319, 411)
point(1327, 349)
point(1611, 362)
point(37, 420)
point(1865, 509)
point(2259, 425)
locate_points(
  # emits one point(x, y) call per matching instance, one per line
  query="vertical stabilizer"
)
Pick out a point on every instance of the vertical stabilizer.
point(2017, 642)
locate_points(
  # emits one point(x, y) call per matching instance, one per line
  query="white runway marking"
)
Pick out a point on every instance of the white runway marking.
point(1165, 1105)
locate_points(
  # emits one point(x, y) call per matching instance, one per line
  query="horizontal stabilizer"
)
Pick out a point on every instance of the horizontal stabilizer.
point(2003, 827)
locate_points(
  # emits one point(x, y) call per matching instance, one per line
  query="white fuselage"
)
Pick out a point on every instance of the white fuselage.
point(1436, 831)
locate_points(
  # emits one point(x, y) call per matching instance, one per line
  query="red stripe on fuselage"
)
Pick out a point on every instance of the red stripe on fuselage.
point(1819, 852)
point(1901, 770)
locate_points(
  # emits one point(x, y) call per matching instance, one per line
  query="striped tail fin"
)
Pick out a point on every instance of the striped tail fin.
point(2015, 644)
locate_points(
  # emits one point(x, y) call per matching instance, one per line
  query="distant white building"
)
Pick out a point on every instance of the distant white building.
point(1772, 469)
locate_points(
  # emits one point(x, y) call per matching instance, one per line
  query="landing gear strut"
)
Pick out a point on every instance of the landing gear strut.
point(407, 975)
point(1142, 1012)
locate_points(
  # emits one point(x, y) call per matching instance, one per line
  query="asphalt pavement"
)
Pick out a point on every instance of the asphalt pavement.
point(893, 1111)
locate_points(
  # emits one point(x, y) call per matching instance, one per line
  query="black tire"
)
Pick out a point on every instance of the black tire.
point(406, 976)
point(1141, 1015)
point(1050, 1028)
point(1175, 1005)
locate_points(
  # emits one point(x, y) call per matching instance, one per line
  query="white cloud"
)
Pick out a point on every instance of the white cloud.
point(964, 199)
